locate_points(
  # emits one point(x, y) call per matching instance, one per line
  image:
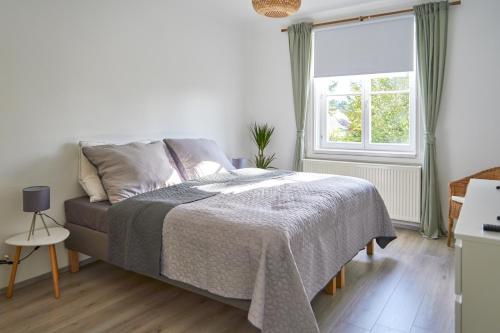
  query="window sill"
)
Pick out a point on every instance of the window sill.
point(371, 153)
point(389, 157)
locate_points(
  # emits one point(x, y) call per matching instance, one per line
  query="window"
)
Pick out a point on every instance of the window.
point(364, 89)
point(365, 113)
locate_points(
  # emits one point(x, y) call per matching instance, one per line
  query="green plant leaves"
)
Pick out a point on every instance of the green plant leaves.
point(262, 136)
point(264, 162)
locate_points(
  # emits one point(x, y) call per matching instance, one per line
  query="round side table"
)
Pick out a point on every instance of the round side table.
point(40, 238)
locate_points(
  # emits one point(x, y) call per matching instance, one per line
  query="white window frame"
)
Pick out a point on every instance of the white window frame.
point(319, 123)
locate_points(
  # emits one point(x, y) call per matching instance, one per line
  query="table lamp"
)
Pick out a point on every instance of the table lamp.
point(240, 162)
point(36, 199)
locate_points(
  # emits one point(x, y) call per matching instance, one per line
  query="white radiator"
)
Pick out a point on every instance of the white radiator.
point(399, 185)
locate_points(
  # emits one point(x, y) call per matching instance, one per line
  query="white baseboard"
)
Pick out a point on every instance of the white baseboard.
point(46, 276)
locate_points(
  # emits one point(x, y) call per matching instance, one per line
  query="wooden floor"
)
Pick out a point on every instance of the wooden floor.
point(408, 287)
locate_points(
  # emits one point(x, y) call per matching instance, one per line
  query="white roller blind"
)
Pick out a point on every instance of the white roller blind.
point(382, 46)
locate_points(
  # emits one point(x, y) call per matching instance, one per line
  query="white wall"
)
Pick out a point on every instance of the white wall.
point(94, 69)
point(268, 79)
point(468, 130)
point(137, 69)
point(468, 133)
point(269, 89)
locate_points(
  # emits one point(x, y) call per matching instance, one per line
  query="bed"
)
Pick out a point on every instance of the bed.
point(263, 241)
point(87, 224)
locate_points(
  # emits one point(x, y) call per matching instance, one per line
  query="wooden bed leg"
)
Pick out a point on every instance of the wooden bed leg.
point(74, 261)
point(370, 247)
point(331, 287)
point(341, 278)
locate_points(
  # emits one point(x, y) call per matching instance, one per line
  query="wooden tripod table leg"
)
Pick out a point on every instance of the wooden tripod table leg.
point(10, 289)
point(55, 270)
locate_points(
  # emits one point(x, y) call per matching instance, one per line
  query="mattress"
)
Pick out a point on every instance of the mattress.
point(92, 215)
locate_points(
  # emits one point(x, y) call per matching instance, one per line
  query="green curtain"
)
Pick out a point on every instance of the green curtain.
point(431, 34)
point(300, 43)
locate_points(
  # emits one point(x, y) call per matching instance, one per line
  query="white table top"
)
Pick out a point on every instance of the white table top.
point(40, 238)
point(481, 206)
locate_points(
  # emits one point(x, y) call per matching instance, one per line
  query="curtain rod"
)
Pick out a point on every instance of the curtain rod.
point(367, 17)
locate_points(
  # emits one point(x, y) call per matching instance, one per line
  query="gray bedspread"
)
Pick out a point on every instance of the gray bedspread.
point(276, 243)
point(135, 224)
point(274, 238)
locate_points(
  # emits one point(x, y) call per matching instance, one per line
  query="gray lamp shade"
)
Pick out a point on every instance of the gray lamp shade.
point(36, 198)
point(240, 162)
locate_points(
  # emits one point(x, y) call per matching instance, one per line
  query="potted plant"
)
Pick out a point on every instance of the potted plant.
point(262, 136)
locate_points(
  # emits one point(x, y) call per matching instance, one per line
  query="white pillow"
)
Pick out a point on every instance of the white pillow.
point(131, 169)
point(198, 157)
point(458, 199)
point(87, 172)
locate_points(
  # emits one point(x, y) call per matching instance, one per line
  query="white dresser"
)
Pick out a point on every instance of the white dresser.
point(477, 266)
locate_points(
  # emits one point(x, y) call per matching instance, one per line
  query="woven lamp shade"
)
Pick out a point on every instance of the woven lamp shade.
point(276, 8)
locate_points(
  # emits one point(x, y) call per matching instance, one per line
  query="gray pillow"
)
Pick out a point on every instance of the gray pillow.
point(198, 157)
point(131, 169)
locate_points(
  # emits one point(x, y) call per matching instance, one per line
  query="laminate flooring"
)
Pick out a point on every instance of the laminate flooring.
point(407, 287)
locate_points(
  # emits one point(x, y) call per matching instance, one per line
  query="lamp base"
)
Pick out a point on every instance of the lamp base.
point(31, 232)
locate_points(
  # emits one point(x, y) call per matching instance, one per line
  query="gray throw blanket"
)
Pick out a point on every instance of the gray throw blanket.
point(135, 224)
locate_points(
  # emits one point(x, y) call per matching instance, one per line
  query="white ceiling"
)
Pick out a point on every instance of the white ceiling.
point(244, 11)
point(241, 10)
